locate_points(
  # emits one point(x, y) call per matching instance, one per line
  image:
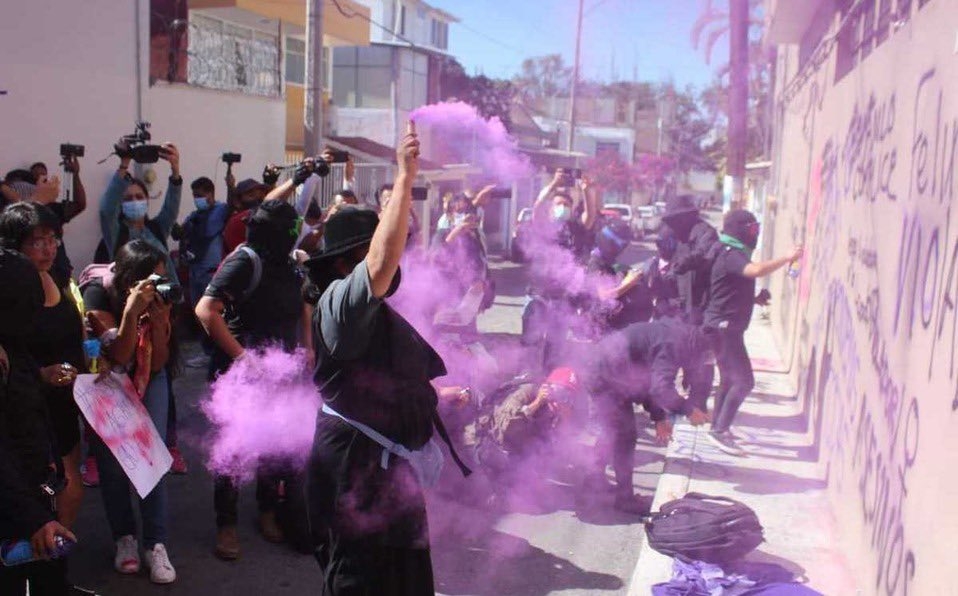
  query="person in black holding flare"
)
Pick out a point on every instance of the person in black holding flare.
point(373, 449)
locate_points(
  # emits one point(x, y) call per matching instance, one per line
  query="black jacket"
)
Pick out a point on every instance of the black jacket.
point(692, 268)
point(641, 363)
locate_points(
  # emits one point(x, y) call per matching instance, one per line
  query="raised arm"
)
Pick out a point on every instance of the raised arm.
point(389, 240)
point(174, 191)
point(110, 205)
point(591, 212)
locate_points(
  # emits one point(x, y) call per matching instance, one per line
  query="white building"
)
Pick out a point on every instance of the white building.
point(375, 88)
point(209, 80)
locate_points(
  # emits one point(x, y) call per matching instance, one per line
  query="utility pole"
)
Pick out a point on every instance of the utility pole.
point(313, 112)
point(738, 98)
point(575, 78)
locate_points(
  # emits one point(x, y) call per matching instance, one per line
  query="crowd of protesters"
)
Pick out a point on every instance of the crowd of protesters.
point(270, 265)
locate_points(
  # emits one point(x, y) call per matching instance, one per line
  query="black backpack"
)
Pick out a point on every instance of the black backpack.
point(700, 527)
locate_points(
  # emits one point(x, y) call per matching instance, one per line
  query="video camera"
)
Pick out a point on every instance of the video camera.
point(231, 158)
point(68, 151)
point(137, 145)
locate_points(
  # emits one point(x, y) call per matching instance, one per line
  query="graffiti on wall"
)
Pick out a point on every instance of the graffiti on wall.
point(892, 159)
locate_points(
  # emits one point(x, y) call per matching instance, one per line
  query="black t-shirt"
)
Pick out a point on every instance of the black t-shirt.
point(271, 313)
point(732, 295)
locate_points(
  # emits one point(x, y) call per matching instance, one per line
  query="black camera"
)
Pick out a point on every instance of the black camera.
point(320, 167)
point(68, 151)
point(570, 175)
point(169, 292)
point(137, 145)
point(420, 193)
point(338, 156)
point(231, 158)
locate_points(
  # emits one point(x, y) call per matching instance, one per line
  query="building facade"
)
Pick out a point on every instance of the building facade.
point(863, 173)
point(374, 88)
point(208, 74)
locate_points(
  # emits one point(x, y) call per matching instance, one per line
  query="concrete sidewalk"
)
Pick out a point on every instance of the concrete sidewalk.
point(779, 479)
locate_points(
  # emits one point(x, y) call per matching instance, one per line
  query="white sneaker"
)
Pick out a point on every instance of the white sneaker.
point(161, 570)
point(725, 442)
point(127, 559)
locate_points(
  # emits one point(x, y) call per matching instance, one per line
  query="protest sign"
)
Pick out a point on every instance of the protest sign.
point(113, 409)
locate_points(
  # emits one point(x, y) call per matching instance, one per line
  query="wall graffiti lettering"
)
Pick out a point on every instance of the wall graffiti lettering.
point(934, 149)
point(868, 155)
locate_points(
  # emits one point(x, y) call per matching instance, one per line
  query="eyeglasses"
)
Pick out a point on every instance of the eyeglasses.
point(41, 243)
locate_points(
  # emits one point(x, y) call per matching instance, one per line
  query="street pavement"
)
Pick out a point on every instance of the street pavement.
point(567, 542)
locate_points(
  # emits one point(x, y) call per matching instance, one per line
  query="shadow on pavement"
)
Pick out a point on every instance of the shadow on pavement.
point(752, 480)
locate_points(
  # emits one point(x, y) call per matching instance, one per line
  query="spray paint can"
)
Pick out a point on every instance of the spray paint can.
point(793, 270)
point(91, 349)
point(20, 552)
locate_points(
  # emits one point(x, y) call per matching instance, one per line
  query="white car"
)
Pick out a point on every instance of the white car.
point(626, 214)
point(650, 217)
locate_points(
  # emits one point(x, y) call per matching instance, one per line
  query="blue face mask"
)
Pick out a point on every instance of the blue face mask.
point(201, 203)
point(561, 213)
point(134, 210)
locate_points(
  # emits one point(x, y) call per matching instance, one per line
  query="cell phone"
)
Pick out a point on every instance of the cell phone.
point(420, 193)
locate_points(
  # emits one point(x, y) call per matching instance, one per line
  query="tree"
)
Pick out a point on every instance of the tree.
point(492, 98)
point(734, 23)
point(543, 77)
point(688, 131)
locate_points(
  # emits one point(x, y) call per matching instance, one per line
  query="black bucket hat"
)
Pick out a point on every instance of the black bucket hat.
point(348, 228)
point(680, 205)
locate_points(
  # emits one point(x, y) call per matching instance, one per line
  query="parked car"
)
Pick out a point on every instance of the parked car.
point(520, 235)
point(651, 217)
point(626, 213)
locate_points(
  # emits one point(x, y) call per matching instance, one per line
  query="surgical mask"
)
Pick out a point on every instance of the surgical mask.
point(134, 210)
point(561, 213)
point(201, 203)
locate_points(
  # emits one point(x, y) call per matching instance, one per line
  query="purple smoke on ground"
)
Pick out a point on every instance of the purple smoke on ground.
point(263, 408)
point(457, 133)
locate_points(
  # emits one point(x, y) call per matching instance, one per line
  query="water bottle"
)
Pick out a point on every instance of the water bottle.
point(91, 349)
point(20, 552)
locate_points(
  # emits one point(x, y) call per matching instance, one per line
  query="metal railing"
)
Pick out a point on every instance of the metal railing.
point(232, 58)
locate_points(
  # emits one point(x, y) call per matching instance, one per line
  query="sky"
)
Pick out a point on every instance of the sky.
point(650, 39)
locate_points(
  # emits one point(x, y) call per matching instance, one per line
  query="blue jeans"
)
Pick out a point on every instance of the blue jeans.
point(115, 487)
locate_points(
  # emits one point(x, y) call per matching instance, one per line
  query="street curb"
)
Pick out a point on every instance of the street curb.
point(653, 567)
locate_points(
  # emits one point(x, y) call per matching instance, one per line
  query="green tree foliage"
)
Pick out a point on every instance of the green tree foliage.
point(492, 98)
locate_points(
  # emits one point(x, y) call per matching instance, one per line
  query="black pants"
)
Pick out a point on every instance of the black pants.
point(616, 442)
point(366, 568)
point(226, 494)
point(47, 578)
point(737, 380)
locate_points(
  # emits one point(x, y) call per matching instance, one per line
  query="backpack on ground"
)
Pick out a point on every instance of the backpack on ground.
point(700, 527)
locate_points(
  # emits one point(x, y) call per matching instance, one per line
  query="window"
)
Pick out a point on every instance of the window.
point(295, 61)
point(231, 57)
point(362, 77)
point(868, 25)
point(602, 147)
point(413, 80)
point(440, 34)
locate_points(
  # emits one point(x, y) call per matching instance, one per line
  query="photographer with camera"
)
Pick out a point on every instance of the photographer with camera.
point(124, 206)
point(130, 312)
point(201, 236)
point(27, 511)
